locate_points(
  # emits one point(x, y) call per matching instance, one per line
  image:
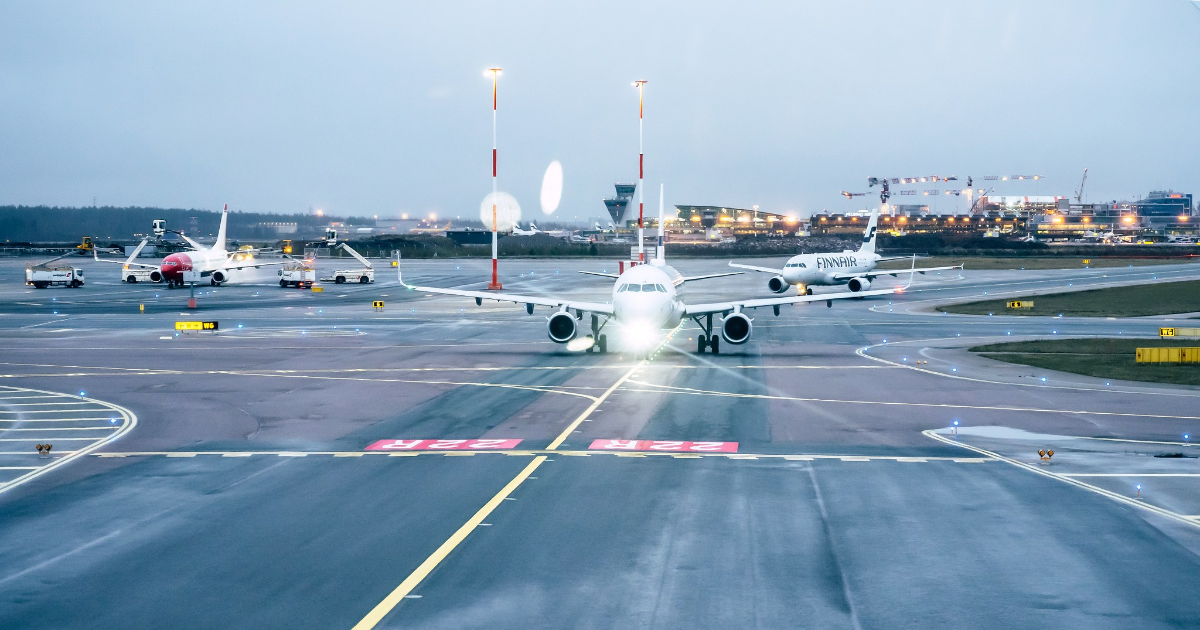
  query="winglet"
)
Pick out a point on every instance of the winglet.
point(399, 275)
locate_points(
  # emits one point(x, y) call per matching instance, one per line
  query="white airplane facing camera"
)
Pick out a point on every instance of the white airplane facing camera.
point(855, 269)
point(646, 299)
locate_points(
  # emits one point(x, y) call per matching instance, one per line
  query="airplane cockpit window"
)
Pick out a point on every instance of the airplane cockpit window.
point(622, 288)
point(648, 288)
point(634, 288)
point(661, 288)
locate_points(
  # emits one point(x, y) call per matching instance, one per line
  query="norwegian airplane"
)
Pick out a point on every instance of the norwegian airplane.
point(855, 269)
point(213, 263)
point(646, 299)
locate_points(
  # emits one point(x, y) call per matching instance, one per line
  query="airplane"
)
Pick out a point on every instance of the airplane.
point(517, 231)
point(646, 299)
point(856, 270)
point(213, 262)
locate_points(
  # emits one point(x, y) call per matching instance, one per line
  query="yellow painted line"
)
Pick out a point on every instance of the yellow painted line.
point(596, 402)
point(397, 595)
point(1119, 498)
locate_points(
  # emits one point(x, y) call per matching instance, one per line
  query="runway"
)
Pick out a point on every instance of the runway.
point(321, 464)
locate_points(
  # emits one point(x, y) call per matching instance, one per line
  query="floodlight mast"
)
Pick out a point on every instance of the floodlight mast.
point(495, 284)
point(641, 87)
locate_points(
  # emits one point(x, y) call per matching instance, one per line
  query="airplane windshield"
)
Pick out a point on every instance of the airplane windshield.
point(648, 288)
point(661, 288)
point(635, 288)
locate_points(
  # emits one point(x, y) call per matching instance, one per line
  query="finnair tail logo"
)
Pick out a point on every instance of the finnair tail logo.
point(870, 235)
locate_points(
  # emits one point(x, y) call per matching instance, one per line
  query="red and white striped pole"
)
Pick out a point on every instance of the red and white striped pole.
point(641, 86)
point(495, 285)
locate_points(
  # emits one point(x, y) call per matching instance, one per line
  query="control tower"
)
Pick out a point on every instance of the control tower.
point(616, 205)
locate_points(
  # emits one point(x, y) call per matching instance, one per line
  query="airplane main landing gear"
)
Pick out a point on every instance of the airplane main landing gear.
point(707, 338)
point(600, 342)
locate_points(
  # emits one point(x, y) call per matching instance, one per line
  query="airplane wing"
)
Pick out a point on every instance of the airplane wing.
point(712, 275)
point(871, 275)
point(753, 268)
point(726, 307)
point(528, 300)
point(597, 273)
point(230, 263)
point(127, 263)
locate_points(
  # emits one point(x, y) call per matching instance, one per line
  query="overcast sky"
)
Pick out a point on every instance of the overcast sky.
point(382, 108)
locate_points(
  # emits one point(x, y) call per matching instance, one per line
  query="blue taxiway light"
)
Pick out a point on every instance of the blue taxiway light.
point(239, 325)
point(1043, 379)
point(83, 393)
point(953, 369)
point(956, 423)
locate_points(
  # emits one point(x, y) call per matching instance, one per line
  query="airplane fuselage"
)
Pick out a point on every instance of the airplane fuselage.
point(649, 296)
point(205, 261)
point(823, 269)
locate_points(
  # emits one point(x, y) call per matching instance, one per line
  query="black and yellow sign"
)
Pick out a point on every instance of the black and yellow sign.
point(1020, 304)
point(196, 326)
point(1087, 261)
point(1166, 332)
point(377, 304)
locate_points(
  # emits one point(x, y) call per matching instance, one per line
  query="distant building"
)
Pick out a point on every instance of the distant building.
point(616, 205)
point(280, 228)
point(740, 221)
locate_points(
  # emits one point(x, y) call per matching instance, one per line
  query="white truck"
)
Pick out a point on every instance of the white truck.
point(363, 275)
point(133, 272)
point(49, 273)
point(298, 275)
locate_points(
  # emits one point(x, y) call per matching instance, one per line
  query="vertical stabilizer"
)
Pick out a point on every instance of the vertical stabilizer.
point(220, 244)
point(659, 254)
point(868, 245)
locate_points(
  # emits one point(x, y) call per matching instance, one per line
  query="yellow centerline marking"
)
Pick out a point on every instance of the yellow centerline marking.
point(397, 595)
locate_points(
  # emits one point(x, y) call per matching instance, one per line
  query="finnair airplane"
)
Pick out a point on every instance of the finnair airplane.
point(517, 231)
point(856, 270)
point(646, 299)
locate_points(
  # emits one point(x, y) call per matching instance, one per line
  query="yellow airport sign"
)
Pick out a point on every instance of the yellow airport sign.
point(1166, 332)
point(1179, 332)
point(1087, 261)
point(377, 304)
point(1020, 304)
point(196, 326)
point(318, 289)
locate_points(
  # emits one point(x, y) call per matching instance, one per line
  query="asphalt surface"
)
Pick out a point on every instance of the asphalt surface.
point(224, 480)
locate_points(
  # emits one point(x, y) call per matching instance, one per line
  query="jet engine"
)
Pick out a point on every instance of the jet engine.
point(859, 284)
point(156, 276)
point(219, 276)
point(735, 329)
point(561, 327)
point(777, 284)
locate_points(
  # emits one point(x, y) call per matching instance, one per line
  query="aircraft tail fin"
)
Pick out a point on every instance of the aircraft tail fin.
point(868, 244)
point(220, 244)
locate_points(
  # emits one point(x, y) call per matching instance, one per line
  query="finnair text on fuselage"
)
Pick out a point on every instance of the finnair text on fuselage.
point(836, 262)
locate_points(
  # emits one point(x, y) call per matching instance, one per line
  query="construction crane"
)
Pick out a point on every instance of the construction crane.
point(1079, 193)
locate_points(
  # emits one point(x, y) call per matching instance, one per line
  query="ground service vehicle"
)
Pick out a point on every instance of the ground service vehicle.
point(48, 274)
point(299, 276)
point(363, 275)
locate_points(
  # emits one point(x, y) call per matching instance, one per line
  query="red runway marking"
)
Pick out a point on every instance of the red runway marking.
point(663, 445)
point(441, 445)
